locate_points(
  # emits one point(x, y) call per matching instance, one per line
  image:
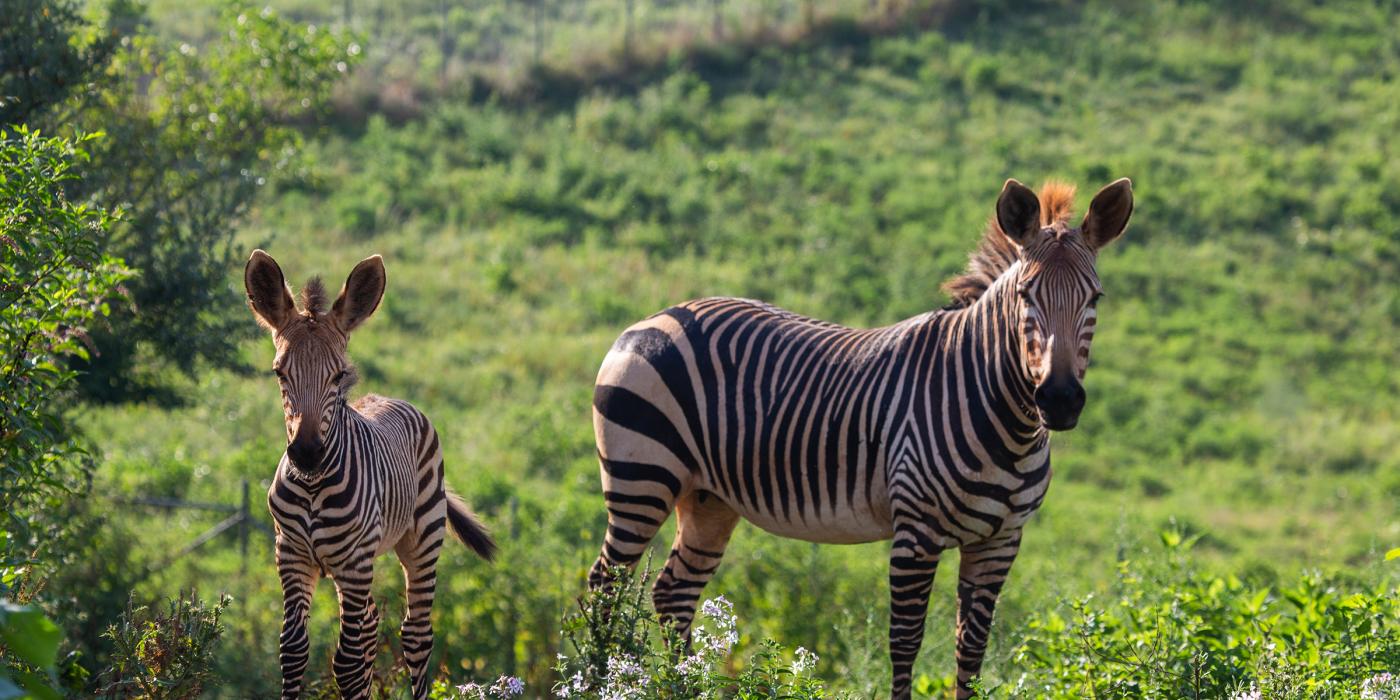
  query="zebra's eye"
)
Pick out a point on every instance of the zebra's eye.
point(339, 377)
point(1094, 300)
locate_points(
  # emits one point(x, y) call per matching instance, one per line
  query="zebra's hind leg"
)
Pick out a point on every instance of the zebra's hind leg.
point(704, 524)
point(913, 562)
point(639, 499)
point(418, 553)
point(359, 628)
point(981, 574)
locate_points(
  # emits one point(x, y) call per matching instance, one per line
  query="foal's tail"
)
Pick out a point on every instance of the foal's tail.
point(468, 528)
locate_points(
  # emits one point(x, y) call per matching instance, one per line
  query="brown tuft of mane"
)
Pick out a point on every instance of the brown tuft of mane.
point(1056, 202)
point(996, 252)
point(313, 297)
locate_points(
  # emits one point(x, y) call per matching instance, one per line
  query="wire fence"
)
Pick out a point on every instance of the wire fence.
point(240, 523)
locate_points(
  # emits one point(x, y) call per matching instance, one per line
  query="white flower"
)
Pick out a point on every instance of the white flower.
point(1251, 694)
point(1382, 686)
point(573, 688)
point(804, 661)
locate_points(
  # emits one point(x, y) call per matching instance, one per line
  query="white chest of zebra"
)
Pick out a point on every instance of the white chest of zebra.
point(356, 481)
point(933, 432)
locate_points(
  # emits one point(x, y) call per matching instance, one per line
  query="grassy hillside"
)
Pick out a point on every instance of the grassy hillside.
point(1243, 389)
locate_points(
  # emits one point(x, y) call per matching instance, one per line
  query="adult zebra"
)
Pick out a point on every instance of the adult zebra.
point(357, 480)
point(932, 432)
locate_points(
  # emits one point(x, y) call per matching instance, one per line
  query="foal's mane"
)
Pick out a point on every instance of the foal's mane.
point(996, 252)
point(313, 297)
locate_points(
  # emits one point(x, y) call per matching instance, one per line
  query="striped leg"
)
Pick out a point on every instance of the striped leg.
point(913, 562)
point(703, 527)
point(359, 629)
point(418, 553)
point(981, 574)
point(299, 578)
point(639, 498)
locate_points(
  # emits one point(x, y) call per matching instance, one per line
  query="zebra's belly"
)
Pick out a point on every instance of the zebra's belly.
point(853, 524)
point(826, 531)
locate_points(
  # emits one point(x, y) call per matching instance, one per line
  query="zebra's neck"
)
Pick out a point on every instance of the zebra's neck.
point(988, 335)
point(335, 457)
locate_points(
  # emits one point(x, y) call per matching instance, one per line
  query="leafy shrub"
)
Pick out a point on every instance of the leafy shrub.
point(621, 651)
point(54, 282)
point(164, 655)
point(1182, 633)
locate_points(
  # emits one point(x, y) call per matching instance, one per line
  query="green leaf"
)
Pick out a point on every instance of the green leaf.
point(29, 635)
point(37, 686)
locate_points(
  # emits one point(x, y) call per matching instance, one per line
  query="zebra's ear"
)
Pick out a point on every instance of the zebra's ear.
point(361, 294)
point(1018, 212)
point(1108, 214)
point(268, 295)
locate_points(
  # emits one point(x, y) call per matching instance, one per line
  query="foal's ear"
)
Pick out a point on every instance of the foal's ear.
point(268, 295)
point(361, 294)
point(1108, 213)
point(1018, 212)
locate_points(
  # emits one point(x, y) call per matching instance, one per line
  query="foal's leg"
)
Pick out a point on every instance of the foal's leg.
point(418, 553)
point(980, 576)
point(703, 527)
point(299, 578)
point(359, 626)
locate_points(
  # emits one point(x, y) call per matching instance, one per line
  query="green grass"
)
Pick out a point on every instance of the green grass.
point(1243, 385)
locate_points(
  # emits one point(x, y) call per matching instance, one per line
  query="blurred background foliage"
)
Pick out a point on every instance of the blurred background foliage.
point(540, 174)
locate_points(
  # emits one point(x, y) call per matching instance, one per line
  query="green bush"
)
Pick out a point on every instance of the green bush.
point(1168, 630)
point(163, 655)
point(55, 282)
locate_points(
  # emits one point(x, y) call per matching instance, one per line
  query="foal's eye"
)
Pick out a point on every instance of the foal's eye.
point(339, 376)
point(1094, 300)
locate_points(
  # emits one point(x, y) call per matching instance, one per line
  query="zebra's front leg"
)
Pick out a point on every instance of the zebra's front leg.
point(419, 558)
point(913, 562)
point(299, 578)
point(980, 577)
point(359, 629)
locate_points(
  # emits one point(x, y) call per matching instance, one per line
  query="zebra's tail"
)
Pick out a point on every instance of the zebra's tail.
point(468, 528)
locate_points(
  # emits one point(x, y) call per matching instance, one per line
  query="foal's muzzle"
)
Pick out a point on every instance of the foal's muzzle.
point(306, 454)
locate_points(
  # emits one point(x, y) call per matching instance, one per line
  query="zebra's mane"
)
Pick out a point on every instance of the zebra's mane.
point(313, 297)
point(996, 253)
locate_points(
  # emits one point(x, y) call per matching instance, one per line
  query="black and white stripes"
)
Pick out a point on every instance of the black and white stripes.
point(356, 481)
point(931, 432)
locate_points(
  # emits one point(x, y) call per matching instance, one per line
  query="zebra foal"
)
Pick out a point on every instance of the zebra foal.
point(932, 432)
point(357, 480)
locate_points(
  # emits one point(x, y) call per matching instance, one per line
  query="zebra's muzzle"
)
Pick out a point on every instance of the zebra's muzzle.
point(306, 455)
point(1060, 403)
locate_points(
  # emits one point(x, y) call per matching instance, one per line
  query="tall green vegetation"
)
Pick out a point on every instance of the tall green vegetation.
point(57, 282)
